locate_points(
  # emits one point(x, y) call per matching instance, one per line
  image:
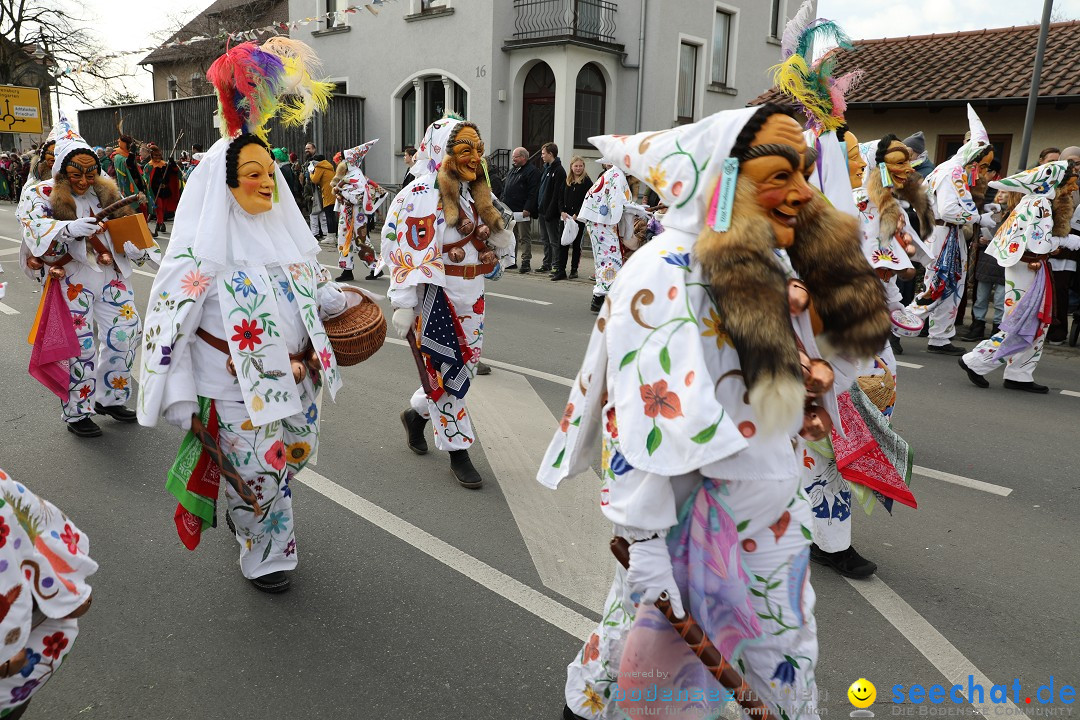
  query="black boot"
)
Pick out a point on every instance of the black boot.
point(463, 469)
point(894, 342)
point(976, 379)
point(568, 714)
point(524, 267)
point(273, 583)
point(414, 431)
point(84, 428)
point(597, 303)
point(947, 349)
point(977, 331)
point(345, 275)
point(116, 412)
point(848, 563)
point(996, 330)
point(1029, 386)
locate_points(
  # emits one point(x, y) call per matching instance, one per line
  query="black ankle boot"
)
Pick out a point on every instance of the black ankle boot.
point(463, 469)
point(344, 276)
point(597, 303)
point(414, 431)
point(977, 331)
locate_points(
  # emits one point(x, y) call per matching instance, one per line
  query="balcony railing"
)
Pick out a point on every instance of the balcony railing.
point(589, 20)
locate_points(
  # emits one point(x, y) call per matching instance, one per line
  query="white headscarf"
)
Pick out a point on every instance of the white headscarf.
point(67, 142)
point(830, 174)
point(225, 237)
point(432, 148)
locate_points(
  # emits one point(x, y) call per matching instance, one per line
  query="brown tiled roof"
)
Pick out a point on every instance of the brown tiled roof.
point(992, 65)
point(221, 15)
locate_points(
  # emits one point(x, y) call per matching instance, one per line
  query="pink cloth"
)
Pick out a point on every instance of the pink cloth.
point(55, 343)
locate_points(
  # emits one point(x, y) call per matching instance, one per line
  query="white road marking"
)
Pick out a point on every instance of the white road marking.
point(515, 297)
point(9, 251)
point(540, 605)
point(961, 480)
point(1070, 393)
point(5, 237)
point(137, 271)
point(913, 366)
point(941, 653)
point(8, 310)
point(565, 531)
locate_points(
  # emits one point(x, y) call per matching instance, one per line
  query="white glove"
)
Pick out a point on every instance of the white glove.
point(331, 300)
point(133, 253)
point(650, 574)
point(992, 208)
point(403, 321)
point(83, 227)
point(987, 221)
point(179, 413)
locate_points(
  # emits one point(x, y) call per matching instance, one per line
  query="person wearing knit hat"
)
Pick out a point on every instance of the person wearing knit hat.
point(921, 162)
point(704, 364)
point(60, 229)
point(281, 157)
point(950, 186)
point(444, 235)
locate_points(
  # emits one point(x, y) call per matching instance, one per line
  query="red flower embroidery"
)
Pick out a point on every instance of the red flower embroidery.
point(592, 649)
point(478, 306)
point(325, 356)
point(276, 455)
point(659, 401)
point(70, 538)
point(611, 426)
point(567, 414)
point(46, 191)
point(4, 532)
point(1013, 247)
point(73, 291)
point(247, 334)
point(54, 645)
point(84, 392)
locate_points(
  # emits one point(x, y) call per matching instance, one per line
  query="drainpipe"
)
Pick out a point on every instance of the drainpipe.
point(641, 66)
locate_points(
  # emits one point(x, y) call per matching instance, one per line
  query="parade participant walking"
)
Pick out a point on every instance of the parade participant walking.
point(129, 178)
point(58, 225)
point(44, 566)
point(443, 236)
point(359, 198)
point(1037, 226)
point(164, 184)
point(281, 157)
point(235, 347)
point(520, 193)
point(322, 175)
point(693, 385)
point(602, 212)
point(950, 188)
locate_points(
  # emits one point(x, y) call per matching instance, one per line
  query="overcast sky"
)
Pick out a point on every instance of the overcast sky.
point(861, 19)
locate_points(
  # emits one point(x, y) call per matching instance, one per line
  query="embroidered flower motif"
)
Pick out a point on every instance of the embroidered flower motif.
point(4, 532)
point(593, 702)
point(78, 320)
point(311, 414)
point(247, 334)
point(611, 425)
point(619, 464)
point(290, 549)
point(1014, 246)
point(403, 264)
point(660, 401)
point(592, 649)
point(126, 311)
point(84, 392)
point(276, 523)
point(716, 329)
point(54, 645)
point(298, 452)
point(69, 538)
point(257, 404)
point(194, 283)
point(657, 178)
point(785, 672)
point(567, 415)
point(275, 456)
point(118, 383)
point(286, 290)
point(23, 692)
point(325, 356)
point(74, 290)
point(681, 260)
point(32, 659)
point(117, 284)
point(478, 306)
point(243, 284)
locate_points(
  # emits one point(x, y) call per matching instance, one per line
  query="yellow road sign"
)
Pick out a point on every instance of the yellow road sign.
point(20, 109)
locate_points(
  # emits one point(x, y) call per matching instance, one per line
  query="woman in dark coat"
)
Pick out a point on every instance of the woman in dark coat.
point(573, 194)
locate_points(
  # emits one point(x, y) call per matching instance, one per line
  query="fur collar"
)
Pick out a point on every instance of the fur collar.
point(63, 201)
point(450, 191)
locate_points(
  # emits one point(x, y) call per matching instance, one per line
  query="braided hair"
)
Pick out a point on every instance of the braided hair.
point(233, 155)
point(883, 148)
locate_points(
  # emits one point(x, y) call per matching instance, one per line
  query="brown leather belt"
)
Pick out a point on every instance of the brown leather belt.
point(222, 346)
point(468, 271)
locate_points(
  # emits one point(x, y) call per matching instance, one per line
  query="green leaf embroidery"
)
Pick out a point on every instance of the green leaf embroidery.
point(742, 526)
point(653, 441)
point(558, 460)
point(705, 435)
point(758, 593)
point(577, 422)
point(627, 359)
point(665, 359)
point(806, 533)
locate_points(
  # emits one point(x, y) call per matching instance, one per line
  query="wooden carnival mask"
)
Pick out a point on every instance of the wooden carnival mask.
point(777, 162)
point(465, 154)
point(81, 171)
point(855, 162)
point(898, 163)
point(255, 170)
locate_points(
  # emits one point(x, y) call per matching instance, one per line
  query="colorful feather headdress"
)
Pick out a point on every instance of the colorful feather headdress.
point(811, 85)
point(254, 83)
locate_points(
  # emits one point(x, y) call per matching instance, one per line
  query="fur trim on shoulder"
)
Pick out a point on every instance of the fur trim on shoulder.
point(751, 293)
point(1062, 212)
point(844, 289)
point(108, 193)
point(450, 191)
point(915, 193)
point(777, 401)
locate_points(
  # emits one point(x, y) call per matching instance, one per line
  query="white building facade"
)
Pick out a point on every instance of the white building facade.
point(530, 71)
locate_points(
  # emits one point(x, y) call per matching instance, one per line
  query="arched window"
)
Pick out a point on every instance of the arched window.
point(590, 97)
point(427, 99)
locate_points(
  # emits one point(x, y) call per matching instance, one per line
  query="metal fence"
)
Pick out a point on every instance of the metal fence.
point(588, 19)
point(339, 128)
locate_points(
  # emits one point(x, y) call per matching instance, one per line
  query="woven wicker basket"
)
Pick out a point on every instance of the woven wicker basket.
point(357, 333)
point(881, 389)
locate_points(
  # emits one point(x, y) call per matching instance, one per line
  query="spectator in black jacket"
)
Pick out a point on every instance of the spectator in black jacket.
point(577, 185)
point(409, 159)
point(520, 195)
point(549, 202)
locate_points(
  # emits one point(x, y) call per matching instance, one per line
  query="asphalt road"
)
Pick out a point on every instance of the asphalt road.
point(416, 598)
